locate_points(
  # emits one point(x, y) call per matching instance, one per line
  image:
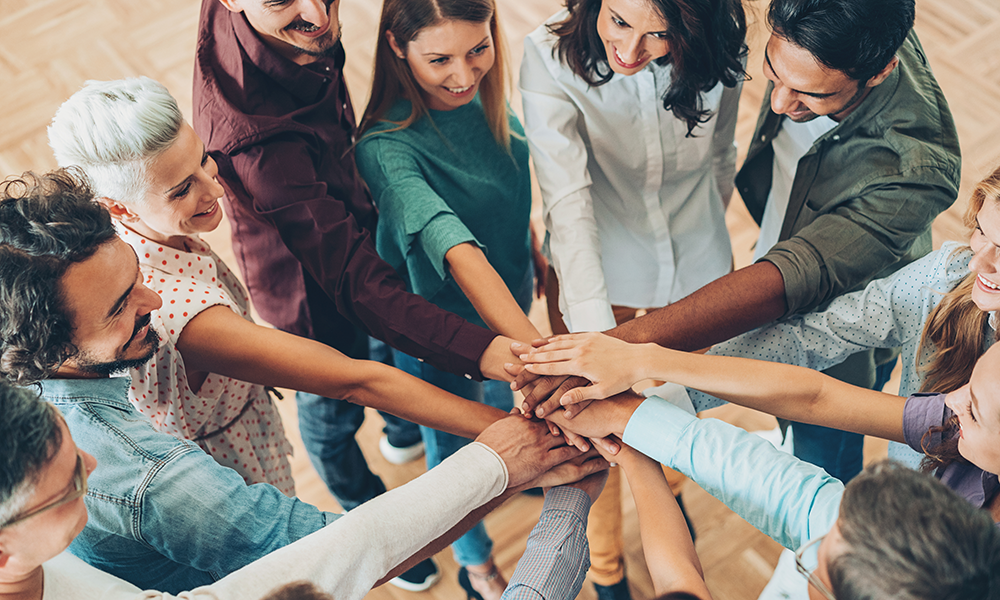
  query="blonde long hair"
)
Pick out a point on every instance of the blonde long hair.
point(393, 79)
point(955, 330)
point(956, 325)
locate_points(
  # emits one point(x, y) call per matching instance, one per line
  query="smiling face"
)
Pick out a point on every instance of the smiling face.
point(109, 308)
point(633, 33)
point(985, 263)
point(448, 61)
point(977, 406)
point(28, 544)
point(300, 30)
point(183, 196)
point(804, 88)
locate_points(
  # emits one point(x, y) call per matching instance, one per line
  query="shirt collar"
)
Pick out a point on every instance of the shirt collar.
point(111, 391)
point(303, 82)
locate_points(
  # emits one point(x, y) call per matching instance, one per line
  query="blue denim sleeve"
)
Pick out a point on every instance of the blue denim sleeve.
point(201, 514)
point(789, 500)
point(557, 557)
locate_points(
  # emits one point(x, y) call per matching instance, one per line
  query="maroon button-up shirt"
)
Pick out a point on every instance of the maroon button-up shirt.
point(302, 218)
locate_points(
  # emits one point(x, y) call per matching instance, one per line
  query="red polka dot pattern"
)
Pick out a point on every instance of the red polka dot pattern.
point(255, 446)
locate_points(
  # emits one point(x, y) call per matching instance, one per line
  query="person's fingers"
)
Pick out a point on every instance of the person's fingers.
point(560, 454)
point(578, 441)
point(549, 355)
point(512, 369)
point(551, 369)
point(540, 392)
point(548, 407)
point(552, 402)
point(574, 409)
point(608, 447)
point(583, 394)
point(554, 429)
point(524, 381)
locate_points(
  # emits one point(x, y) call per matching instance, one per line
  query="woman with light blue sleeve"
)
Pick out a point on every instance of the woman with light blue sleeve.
point(892, 533)
point(447, 166)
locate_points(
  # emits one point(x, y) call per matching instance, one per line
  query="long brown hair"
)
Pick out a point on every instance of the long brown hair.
point(393, 79)
point(707, 46)
point(954, 331)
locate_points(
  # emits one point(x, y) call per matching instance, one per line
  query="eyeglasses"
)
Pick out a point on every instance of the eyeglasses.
point(807, 562)
point(75, 490)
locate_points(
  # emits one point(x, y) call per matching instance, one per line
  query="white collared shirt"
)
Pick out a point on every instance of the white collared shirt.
point(635, 211)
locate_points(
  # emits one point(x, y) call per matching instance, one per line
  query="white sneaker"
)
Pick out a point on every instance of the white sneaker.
point(397, 455)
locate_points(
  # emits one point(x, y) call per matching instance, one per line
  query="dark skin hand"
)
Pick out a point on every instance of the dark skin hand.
point(731, 305)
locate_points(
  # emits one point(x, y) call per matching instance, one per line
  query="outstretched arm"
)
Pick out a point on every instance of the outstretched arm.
point(785, 391)
point(729, 306)
point(666, 542)
point(488, 293)
point(219, 341)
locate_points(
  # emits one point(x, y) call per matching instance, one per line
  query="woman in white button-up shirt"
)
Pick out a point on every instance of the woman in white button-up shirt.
point(630, 112)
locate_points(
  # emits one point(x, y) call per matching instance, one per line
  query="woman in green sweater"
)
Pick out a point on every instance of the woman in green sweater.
point(447, 165)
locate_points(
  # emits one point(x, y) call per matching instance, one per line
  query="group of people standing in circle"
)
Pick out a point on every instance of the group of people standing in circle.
point(630, 110)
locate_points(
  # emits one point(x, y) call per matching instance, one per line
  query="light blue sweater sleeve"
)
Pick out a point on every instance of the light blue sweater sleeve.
point(789, 500)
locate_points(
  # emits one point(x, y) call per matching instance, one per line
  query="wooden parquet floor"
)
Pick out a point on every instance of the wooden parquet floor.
point(48, 49)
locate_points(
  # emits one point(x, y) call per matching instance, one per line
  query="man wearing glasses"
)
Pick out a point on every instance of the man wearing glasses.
point(43, 479)
point(891, 533)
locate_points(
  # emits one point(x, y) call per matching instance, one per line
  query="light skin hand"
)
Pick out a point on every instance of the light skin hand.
point(572, 471)
point(592, 485)
point(496, 355)
point(602, 418)
point(611, 365)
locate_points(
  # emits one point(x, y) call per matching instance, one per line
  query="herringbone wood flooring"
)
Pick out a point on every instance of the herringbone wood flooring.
point(49, 49)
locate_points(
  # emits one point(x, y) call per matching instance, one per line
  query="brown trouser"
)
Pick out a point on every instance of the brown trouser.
point(604, 528)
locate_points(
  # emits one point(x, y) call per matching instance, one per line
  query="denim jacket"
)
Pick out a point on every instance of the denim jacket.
point(163, 514)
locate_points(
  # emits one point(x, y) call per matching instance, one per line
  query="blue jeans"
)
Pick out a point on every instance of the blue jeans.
point(328, 427)
point(475, 547)
point(841, 453)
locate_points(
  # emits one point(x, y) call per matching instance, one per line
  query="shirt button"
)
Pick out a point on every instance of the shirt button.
point(327, 69)
point(763, 138)
point(467, 376)
point(420, 360)
point(836, 138)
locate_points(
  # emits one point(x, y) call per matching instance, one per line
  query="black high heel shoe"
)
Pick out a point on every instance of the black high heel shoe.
point(463, 580)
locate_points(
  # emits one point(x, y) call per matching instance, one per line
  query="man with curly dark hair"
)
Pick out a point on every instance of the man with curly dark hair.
point(73, 312)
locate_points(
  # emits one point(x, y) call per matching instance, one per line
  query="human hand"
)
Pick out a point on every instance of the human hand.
point(494, 360)
point(611, 365)
point(602, 417)
point(571, 471)
point(592, 485)
point(527, 448)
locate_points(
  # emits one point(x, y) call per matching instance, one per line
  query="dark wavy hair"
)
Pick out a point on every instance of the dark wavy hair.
point(908, 537)
point(856, 37)
point(29, 438)
point(707, 40)
point(47, 223)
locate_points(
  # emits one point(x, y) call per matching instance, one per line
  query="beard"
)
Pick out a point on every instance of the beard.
point(151, 341)
point(325, 47)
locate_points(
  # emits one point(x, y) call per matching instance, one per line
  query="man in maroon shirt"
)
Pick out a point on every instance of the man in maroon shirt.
point(271, 104)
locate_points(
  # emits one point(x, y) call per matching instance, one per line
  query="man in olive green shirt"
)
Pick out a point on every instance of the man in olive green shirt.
point(854, 155)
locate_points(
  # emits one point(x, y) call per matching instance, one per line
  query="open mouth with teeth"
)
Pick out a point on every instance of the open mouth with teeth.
point(209, 212)
point(621, 61)
point(989, 285)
